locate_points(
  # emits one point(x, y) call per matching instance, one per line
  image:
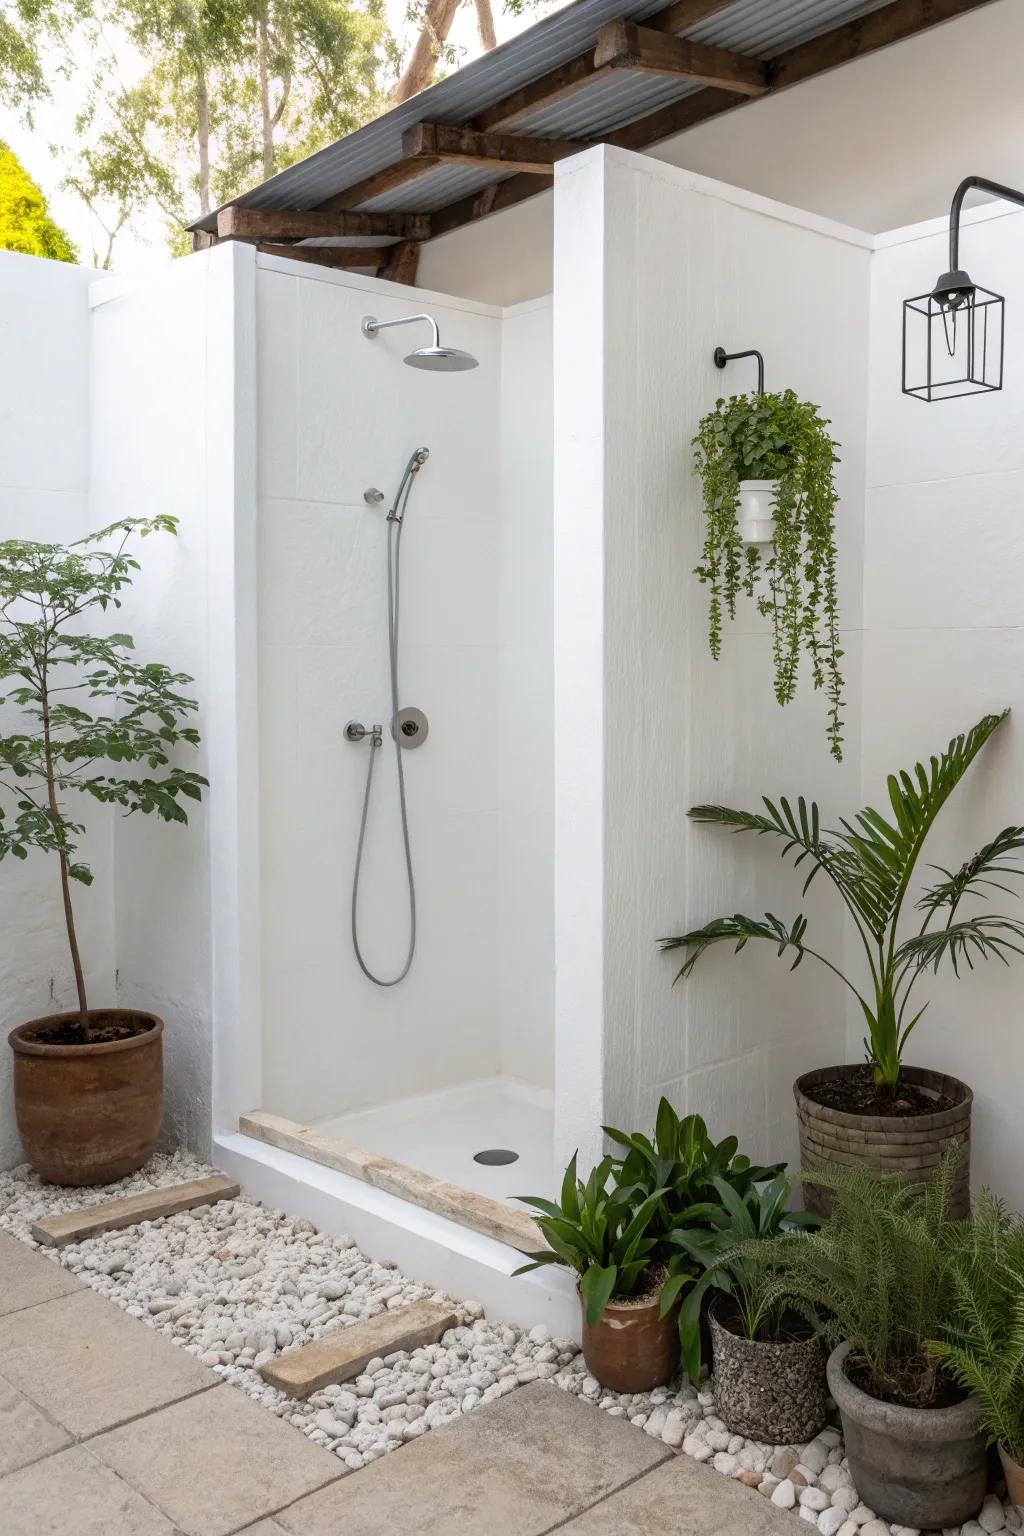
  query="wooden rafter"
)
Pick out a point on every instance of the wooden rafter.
point(386, 180)
point(622, 45)
point(287, 224)
point(498, 151)
point(370, 257)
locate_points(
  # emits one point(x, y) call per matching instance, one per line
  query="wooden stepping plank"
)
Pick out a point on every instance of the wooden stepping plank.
point(129, 1210)
point(347, 1351)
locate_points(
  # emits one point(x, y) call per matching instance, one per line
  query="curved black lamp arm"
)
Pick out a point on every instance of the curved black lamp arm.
point(969, 184)
point(721, 357)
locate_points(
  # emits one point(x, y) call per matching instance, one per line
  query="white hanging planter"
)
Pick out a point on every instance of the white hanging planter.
point(755, 514)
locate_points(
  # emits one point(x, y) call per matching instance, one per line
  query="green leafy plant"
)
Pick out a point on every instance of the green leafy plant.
point(871, 862)
point(684, 1162)
point(131, 712)
point(983, 1344)
point(729, 1256)
point(775, 437)
point(879, 1272)
point(601, 1232)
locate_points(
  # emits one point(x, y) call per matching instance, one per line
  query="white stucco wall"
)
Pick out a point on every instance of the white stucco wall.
point(44, 495)
point(653, 268)
point(944, 642)
point(876, 144)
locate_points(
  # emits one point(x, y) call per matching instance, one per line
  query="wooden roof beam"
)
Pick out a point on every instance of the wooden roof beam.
point(346, 256)
point(287, 224)
point(497, 151)
point(386, 180)
point(623, 45)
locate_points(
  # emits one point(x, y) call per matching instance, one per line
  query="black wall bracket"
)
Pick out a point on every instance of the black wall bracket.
point(721, 357)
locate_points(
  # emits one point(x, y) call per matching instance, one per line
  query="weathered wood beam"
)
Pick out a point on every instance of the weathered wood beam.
point(698, 107)
point(386, 180)
point(401, 267)
point(623, 45)
point(686, 14)
point(855, 39)
point(498, 151)
point(493, 199)
point(202, 239)
point(371, 256)
point(288, 224)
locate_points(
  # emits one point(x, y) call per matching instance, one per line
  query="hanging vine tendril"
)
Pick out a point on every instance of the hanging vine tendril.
point(775, 437)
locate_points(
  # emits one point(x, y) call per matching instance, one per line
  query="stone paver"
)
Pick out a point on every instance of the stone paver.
point(26, 1279)
point(72, 1494)
point(516, 1468)
point(216, 1461)
point(90, 1366)
point(684, 1498)
point(26, 1434)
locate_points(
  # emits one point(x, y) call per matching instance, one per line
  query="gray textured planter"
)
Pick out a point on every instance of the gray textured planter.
point(774, 1393)
point(922, 1467)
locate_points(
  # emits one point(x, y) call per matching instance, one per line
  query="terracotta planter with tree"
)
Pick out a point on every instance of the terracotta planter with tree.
point(882, 1114)
point(93, 722)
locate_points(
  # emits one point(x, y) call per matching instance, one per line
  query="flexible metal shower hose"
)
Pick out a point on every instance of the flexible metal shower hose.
point(396, 520)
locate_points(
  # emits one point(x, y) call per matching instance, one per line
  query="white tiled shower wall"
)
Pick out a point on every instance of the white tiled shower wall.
point(338, 414)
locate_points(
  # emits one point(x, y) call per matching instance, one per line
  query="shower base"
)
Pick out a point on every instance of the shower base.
point(441, 1133)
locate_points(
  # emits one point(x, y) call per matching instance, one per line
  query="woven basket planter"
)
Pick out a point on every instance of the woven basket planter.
point(907, 1144)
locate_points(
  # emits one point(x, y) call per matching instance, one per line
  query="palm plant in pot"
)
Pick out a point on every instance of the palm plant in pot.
point(766, 463)
point(883, 1113)
point(769, 1370)
point(602, 1232)
point(877, 1280)
point(983, 1343)
point(93, 722)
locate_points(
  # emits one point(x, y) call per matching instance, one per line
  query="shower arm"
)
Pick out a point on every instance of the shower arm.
point(371, 325)
point(970, 184)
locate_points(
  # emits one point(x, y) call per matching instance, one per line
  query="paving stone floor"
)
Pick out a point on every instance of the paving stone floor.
point(108, 1429)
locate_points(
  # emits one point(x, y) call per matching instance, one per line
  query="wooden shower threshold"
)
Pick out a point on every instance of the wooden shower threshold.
point(493, 1218)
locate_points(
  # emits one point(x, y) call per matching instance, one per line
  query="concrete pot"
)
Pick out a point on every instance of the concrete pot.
point(922, 1467)
point(772, 1392)
point(908, 1144)
point(1014, 1474)
point(629, 1348)
point(755, 516)
point(88, 1114)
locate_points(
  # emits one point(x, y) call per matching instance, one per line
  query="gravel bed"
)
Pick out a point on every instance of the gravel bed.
point(236, 1283)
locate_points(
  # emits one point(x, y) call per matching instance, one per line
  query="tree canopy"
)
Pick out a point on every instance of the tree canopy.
point(25, 222)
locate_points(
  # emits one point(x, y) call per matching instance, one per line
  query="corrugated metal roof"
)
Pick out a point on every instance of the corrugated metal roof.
point(762, 28)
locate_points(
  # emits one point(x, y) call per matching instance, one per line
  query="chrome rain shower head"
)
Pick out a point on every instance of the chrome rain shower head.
point(435, 358)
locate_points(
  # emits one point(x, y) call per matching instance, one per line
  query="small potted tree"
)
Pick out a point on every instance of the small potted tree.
point(767, 470)
point(93, 721)
point(883, 1113)
point(877, 1277)
point(603, 1233)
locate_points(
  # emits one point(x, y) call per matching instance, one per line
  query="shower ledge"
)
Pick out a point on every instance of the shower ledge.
point(480, 1213)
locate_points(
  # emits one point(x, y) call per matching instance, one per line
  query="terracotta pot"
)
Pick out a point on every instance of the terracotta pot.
point(909, 1144)
point(772, 1392)
point(1014, 1474)
point(88, 1114)
point(922, 1467)
point(631, 1349)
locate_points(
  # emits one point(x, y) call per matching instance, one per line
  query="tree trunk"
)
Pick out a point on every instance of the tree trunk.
point(203, 134)
point(419, 71)
point(65, 879)
point(485, 25)
point(263, 54)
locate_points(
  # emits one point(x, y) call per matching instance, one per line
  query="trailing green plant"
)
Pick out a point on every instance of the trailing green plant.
point(775, 437)
point(684, 1162)
point(871, 862)
point(729, 1256)
point(131, 712)
point(879, 1273)
point(601, 1232)
point(983, 1344)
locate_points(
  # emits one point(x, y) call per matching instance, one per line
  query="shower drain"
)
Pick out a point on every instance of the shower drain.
point(495, 1157)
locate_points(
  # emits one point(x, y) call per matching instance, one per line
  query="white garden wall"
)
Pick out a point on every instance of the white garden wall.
point(654, 267)
point(44, 491)
point(944, 638)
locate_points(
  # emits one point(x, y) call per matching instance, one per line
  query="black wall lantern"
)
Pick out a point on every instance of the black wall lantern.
point(953, 336)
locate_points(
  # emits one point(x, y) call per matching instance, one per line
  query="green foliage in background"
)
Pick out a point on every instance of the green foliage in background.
point(775, 437)
point(871, 863)
point(25, 223)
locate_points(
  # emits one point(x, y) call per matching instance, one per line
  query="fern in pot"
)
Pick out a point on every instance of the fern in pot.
point(766, 464)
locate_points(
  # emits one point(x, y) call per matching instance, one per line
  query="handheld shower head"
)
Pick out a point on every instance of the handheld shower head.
point(435, 358)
